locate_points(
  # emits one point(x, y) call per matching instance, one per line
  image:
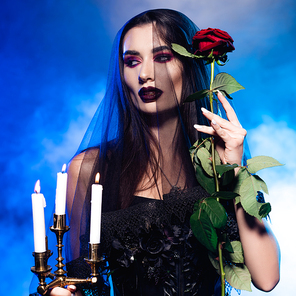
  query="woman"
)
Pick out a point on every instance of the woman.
point(138, 141)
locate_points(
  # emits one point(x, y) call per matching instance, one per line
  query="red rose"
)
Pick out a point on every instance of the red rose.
point(206, 40)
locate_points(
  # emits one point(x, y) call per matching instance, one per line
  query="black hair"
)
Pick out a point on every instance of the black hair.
point(172, 27)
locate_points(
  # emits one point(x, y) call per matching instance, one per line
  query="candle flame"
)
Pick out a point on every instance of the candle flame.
point(37, 187)
point(97, 179)
point(64, 168)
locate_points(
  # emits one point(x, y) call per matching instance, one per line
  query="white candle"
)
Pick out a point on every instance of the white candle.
point(61, 191)
point(96, 211)
point(38, 205)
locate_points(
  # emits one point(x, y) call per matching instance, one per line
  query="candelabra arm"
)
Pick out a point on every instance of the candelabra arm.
point(64, 281)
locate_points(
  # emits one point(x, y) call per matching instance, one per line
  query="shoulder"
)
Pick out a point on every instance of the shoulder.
point(79, 170)
point(80, 167)
point(82, 159)
point(90, 155)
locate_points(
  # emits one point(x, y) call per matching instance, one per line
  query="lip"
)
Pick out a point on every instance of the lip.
point(149, 94)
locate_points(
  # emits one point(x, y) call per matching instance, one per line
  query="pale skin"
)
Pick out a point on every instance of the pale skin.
point(259, 245)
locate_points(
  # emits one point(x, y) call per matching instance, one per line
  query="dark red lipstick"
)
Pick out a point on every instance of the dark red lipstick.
point(149, 94)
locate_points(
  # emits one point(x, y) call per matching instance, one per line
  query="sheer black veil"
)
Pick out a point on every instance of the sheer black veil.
point(119, 142)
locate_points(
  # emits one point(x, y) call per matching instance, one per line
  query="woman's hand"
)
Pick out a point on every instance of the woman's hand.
point(231, 135)
point(70, 290)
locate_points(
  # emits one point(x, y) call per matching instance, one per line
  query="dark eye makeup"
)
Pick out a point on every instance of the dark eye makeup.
point(163, 57)
point(132, 61)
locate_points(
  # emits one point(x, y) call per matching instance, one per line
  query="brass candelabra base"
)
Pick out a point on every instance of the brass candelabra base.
point(59, 278)
point(41, 269)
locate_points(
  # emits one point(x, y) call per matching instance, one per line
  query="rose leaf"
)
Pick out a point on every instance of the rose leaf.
point(215, 211)
point(225, 82)
point(197, 96)
point(208, 183)
point(214, 261)
point(237, 254)
point(248, 194)
point(207, 143)
point(228, 177)
point(227, 244)
point(238, 277)
point(204, 156)
point(265, 209)
point(203, 229)
point(224, 195)
point(217, 158)
point(241, 175)
point(221, 169)
point(183, 51)
point(261, 162)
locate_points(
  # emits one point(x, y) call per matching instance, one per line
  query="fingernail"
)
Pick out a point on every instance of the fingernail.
point(204, 110)
point(219, 92)
point(214, 122)
point(197, 126)
point(72, 287)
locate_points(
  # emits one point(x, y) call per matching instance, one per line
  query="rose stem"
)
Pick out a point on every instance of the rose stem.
point(222, 273)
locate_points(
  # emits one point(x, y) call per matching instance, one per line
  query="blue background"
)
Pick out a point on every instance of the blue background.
point(53, 64)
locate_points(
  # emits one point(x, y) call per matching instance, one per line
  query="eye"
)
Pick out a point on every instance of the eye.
point(131, 61)
point(163, 57)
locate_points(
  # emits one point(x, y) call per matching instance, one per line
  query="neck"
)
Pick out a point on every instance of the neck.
point(173, 160)
point(165, 125)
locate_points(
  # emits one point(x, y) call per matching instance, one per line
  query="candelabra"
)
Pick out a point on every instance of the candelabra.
point(59, 277)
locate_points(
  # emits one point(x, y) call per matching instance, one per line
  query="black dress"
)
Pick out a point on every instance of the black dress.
point(151, 250)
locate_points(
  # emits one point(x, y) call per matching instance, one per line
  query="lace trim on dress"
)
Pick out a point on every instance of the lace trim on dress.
point(176, 204)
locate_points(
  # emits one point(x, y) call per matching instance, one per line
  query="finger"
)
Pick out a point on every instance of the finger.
point(60, 292)
point(230, 113)
point(205, 129)
point(220, 132)
point(215, 129)
point(221, 121)
point(71, 288)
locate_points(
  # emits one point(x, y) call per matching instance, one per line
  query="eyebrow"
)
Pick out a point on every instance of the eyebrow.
point(154, 50)
point(161, 48)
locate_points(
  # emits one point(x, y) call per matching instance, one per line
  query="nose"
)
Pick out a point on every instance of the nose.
point(146, 72)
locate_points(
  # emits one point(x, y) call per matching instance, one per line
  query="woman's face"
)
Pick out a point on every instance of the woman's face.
point(151, 72)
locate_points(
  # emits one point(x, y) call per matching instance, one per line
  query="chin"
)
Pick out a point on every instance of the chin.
point(148, 108)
